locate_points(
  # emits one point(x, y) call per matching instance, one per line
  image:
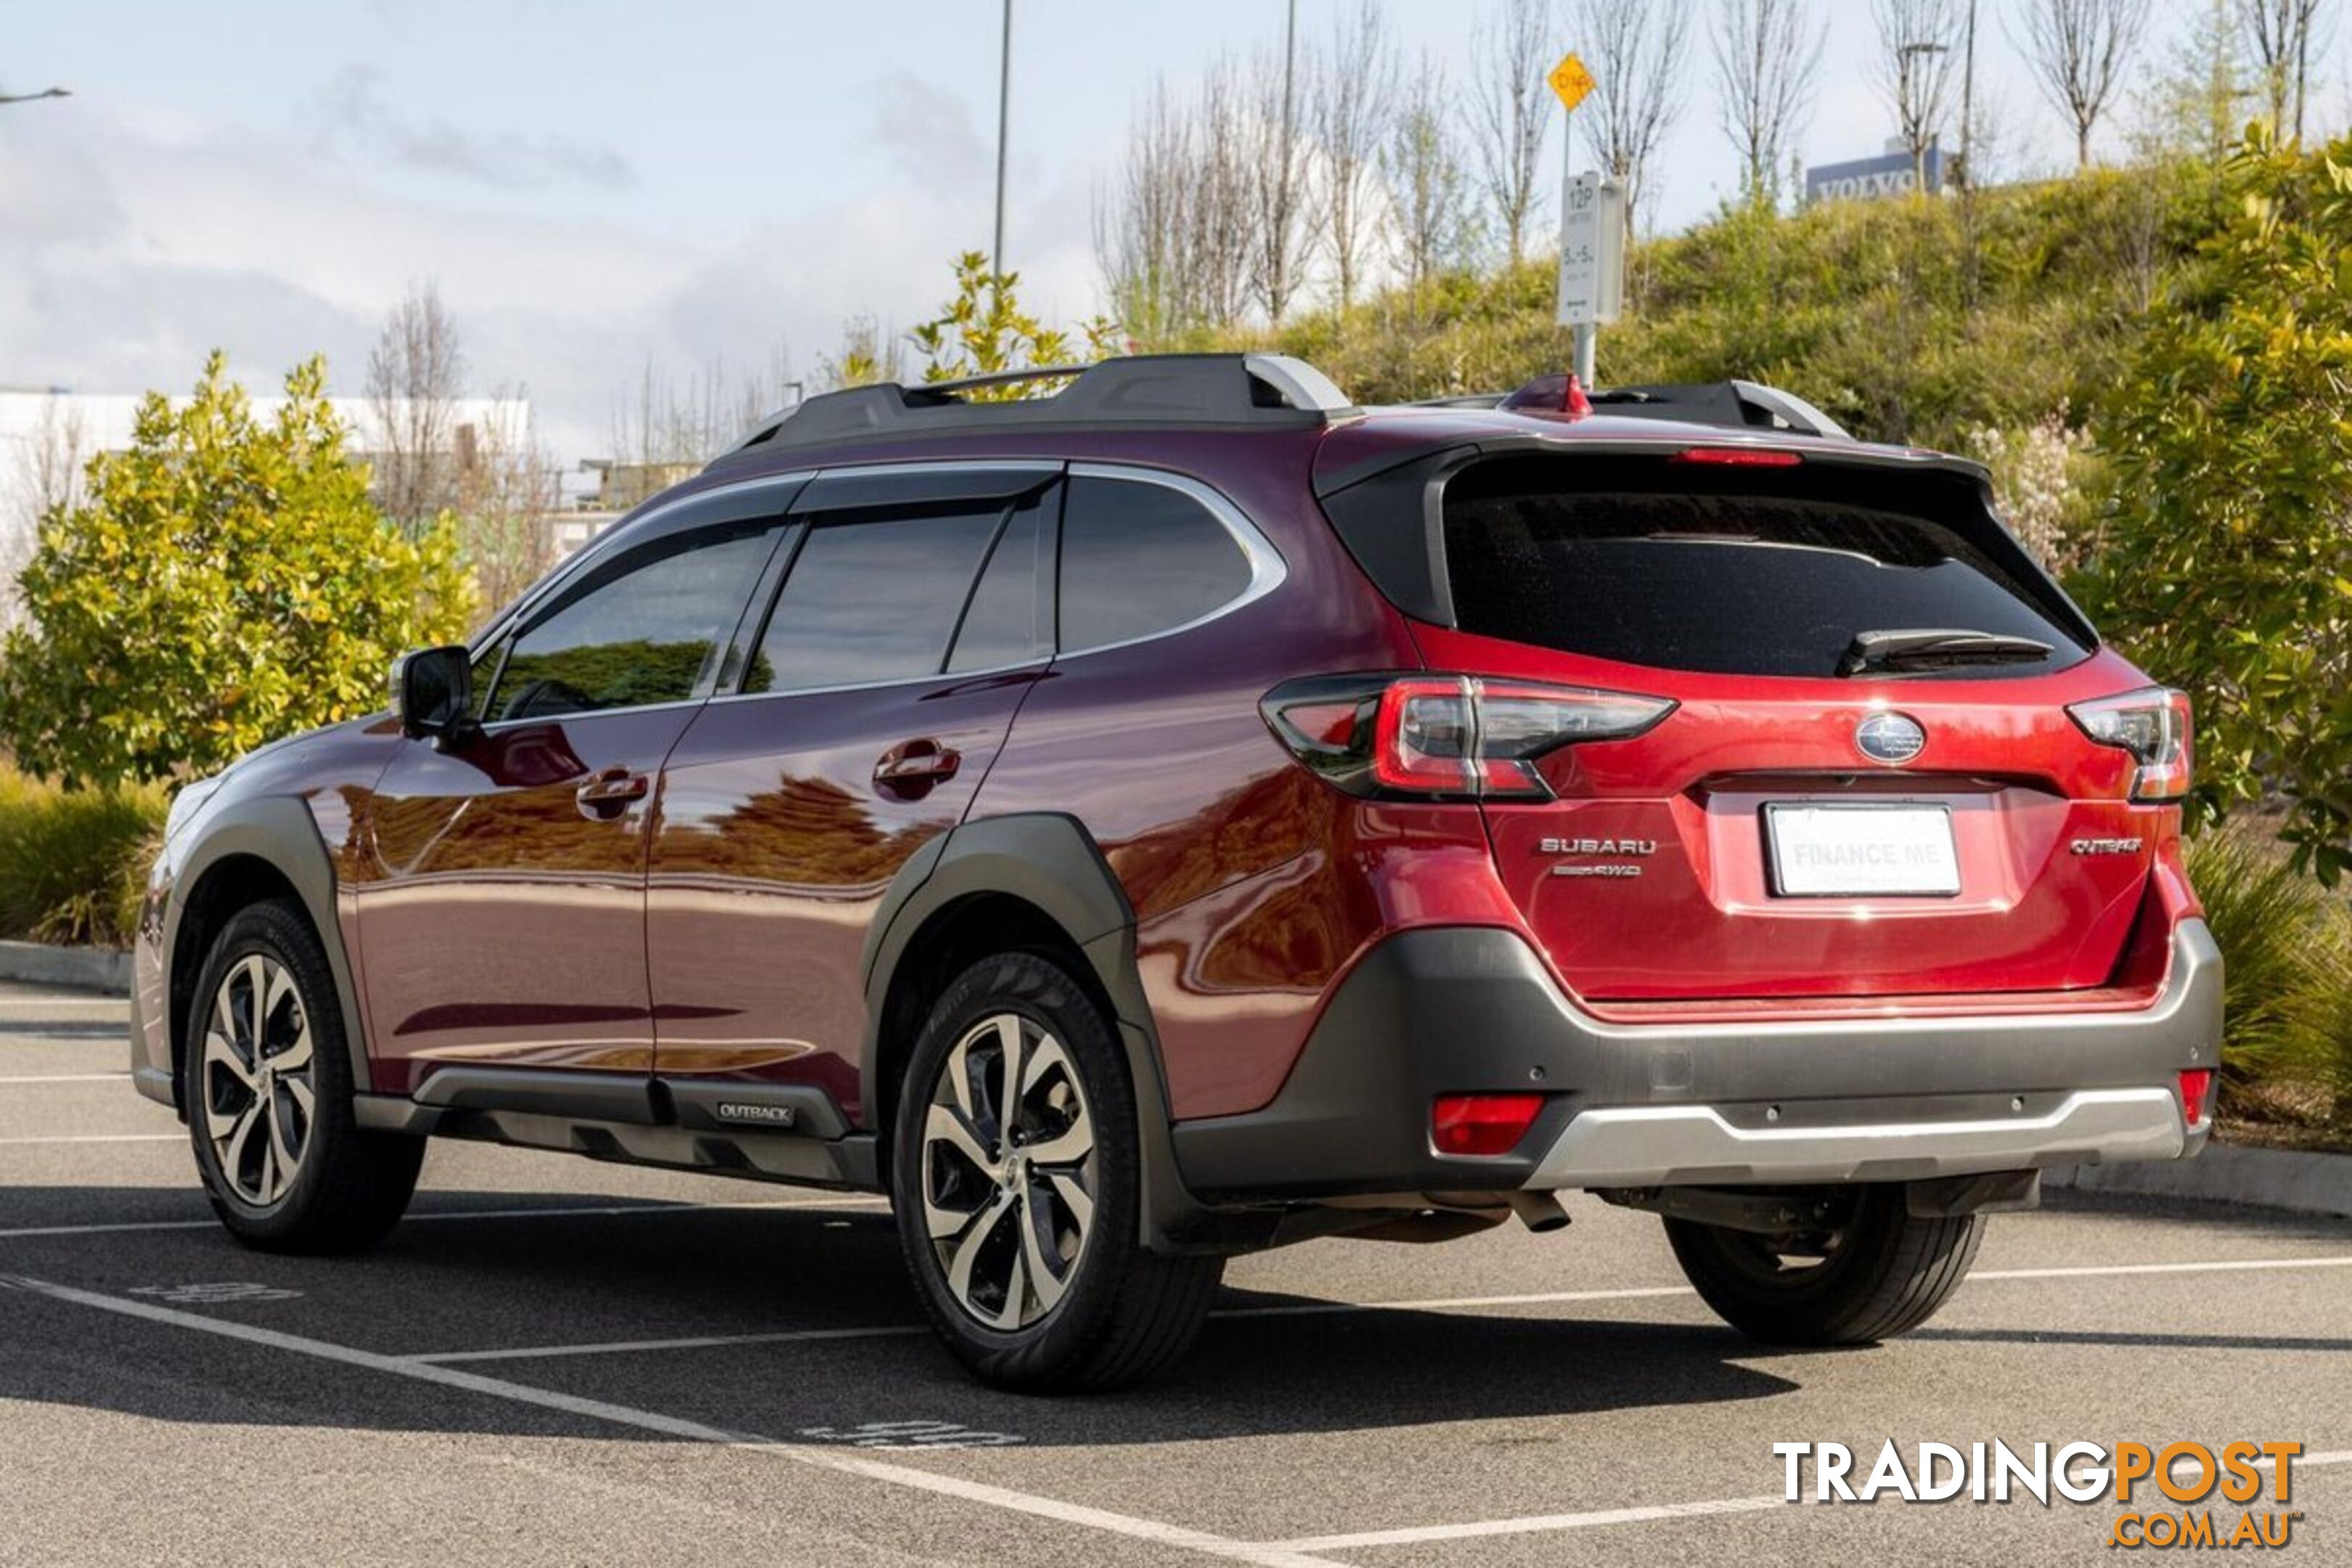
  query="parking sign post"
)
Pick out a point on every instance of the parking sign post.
point(1591, 260)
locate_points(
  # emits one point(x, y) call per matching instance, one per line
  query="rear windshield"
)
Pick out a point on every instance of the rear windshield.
point(1738, 570)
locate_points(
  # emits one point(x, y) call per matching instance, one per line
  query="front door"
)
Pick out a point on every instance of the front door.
point(884, 682)
point(504, 925)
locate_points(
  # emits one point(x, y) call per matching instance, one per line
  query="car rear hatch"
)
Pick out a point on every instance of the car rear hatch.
point(1868, 783)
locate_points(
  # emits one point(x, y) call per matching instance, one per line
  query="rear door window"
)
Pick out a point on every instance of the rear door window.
point(1736, 571)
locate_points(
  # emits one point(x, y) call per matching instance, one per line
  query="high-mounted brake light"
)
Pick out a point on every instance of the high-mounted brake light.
point(1458, 737)
point(1739, 456)
point(2154, 727)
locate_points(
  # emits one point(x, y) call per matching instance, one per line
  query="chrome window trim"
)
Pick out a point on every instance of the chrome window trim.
point(1268, 568)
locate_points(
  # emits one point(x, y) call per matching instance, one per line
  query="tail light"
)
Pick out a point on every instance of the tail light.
point(1448, 736)
point(2153, 726)
point(1481, 1123)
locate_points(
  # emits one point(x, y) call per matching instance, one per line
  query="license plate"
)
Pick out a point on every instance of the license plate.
point(1846, 851)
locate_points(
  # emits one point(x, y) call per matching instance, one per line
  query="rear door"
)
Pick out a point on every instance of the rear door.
point(1817, 816)
point(914, 616)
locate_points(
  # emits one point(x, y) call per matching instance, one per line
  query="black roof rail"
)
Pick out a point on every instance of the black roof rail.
point(1243, 390)
point(1734, 405)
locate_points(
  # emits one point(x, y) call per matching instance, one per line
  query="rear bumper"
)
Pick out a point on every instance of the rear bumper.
point(1459, 1009)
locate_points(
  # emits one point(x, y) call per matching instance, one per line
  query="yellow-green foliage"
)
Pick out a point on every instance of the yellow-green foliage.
point(227, 582)
point(1907, 320)
point(73, 863)
point(2287, 946)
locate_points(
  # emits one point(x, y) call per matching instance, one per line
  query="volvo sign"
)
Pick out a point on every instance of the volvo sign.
point(1891, 176)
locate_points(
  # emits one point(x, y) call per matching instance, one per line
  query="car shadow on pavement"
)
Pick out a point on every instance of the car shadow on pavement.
point(436, 1287)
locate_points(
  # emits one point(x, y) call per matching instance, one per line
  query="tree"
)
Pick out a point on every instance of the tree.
point(48, 475)
point(416, 373)
point(1636, 53)
point(1430, 221)
point(1276, 168)
point(2284, 33)
point(983, 331)
point(1354, 86)
point(1917, 41)
point(1509, 112)
point(1768, 54)
point(1177, 240)
point(226, 582)
point(2227, 554)
point(2078, 49)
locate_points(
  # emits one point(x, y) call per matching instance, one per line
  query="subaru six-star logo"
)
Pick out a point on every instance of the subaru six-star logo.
point(1892, 738)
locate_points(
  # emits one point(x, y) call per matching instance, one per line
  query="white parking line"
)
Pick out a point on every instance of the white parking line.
point(706, 1341)
point(843, 1461)
point(1302, 1309)
point(104, 1138)
point(838, 1200)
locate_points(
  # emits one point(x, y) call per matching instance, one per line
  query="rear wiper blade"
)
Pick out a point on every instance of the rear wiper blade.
point(1937, 648)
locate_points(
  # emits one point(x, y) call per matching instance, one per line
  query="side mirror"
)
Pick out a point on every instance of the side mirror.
point(433, 693)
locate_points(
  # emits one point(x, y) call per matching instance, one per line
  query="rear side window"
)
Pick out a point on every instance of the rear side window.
point(1737, 572)
point(872, 600)
point(1009, 620)
point(1140, 559)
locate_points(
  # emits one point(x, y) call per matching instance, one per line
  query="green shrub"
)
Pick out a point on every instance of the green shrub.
point(73, 863)
point(2287, 945)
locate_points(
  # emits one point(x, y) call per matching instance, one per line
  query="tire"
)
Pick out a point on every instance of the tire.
point(1024, 1248)
point(1882, 1273)
point(347, 1186)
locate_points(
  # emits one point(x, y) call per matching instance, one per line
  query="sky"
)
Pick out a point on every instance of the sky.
point(596, 188)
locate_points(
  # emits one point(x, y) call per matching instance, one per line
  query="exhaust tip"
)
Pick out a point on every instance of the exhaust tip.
point(1539, 1212)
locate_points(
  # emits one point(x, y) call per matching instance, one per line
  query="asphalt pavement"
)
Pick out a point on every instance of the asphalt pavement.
point(554, 1360)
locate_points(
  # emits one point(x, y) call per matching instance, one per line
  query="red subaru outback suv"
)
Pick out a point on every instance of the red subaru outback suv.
point(1189, 814)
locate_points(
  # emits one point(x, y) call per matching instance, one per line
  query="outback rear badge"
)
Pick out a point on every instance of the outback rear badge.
point(1890, 738)
point(2105, 845)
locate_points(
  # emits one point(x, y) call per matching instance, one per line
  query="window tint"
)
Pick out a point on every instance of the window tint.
point(1007, 623)
point(872, 600)
point(1140, 558)
point(1751, 577)
point(643, 630)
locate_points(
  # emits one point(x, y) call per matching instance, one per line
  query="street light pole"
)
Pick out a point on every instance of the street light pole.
point(1003, 115)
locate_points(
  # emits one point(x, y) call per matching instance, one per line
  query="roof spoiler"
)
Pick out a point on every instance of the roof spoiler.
point(1734, 404)
point(1240, 390)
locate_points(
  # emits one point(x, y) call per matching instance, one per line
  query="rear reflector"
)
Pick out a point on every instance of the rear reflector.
point(1482, 1123)
point(1739, 456)
point(1445, 736)
point(2196, 1083)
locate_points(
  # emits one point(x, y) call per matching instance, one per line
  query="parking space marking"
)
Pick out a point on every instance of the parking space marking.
point(844, 1461)
point(704, 1341)
point(118, 1228)
point(1304, 1309)
point(70, 1077)
point(103, 1138)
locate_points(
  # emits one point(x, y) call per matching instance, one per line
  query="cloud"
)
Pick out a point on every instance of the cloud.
point(357, 116)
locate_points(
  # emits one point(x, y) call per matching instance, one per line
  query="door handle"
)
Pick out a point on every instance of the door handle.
point(609, 792)
point(916, 765)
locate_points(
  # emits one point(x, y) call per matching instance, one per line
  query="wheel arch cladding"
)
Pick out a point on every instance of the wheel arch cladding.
point(268, 847)
point(1030, 881)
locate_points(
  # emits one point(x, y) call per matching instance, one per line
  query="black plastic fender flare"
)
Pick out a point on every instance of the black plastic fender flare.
point(1049, 861)
point(280, 831)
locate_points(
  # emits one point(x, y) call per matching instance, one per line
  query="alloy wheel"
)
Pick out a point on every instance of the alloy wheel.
point(258, 1089)
point(1008, 1188)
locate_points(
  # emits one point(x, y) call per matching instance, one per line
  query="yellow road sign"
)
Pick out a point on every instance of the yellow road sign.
point(1571, 80)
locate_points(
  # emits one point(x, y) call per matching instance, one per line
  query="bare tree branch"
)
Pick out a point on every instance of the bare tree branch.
point(2285, 35)
point(1354, 88)
point(1509, 112)
point(1432, 229)
point(1275, 170)
point(1917, 48)
point(2078, 49)
point(1768, 56)
point(416, 373)
point(1636, 53)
